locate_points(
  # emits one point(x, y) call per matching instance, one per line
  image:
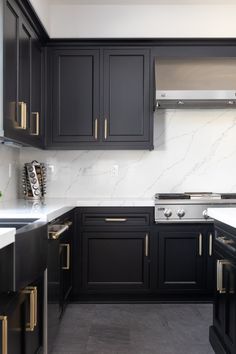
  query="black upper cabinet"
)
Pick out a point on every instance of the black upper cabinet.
point(36, 118)
point(100, 99)
point(75, 88)
point(22, 78)
point(185, 259)
point(11, 25)
point(126, 97)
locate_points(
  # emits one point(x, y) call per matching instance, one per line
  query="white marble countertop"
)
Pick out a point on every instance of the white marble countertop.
point(7, 236)
point(50, 209)
point(224, 215)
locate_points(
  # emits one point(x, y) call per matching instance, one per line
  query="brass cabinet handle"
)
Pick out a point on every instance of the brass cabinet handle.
point(67, 246)
point(219, 275)
point(105, 128)
point(68, 223)
point(200, 244)
point(146, 245)
point(23, 115)
point(32, 292)
point(4, 334)
point(116, 219)
point(36, 115)
point(210, 244)
point(96, 129)
point(54, 235)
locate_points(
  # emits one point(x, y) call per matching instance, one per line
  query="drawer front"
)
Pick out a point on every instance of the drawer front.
point(114, 219)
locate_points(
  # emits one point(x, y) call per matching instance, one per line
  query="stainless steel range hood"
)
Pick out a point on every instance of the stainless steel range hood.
point(195, 82)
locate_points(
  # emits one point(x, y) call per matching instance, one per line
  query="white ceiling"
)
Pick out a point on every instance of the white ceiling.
point(140, 2)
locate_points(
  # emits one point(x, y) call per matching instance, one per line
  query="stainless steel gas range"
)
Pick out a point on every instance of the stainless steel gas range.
point(189, 207)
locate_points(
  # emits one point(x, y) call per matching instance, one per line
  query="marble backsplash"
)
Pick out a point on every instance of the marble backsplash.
point(195, 150)
point(9, 175)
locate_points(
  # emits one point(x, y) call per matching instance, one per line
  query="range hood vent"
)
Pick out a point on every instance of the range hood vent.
point(195, 82)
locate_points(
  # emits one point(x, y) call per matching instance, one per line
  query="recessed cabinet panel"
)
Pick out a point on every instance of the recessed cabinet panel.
point(24, 75)
point(182, 259)
point(75, 96)
point(126, 95)
point(36, 124)
point(10, 69)
point(176, 250)
point(115, 261)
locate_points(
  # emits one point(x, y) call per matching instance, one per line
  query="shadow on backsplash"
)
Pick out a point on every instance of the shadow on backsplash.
point(195, 150)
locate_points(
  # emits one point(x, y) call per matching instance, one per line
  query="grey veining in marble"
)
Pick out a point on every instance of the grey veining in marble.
point(135, 329)
point(195, 150)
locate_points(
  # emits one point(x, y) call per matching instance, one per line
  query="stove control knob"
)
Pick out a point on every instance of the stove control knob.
point(167, 213)
point(180, 213)
point(205, 215)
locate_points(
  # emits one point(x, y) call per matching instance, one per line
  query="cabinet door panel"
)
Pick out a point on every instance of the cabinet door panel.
point(181, 261)
point(36, 114)
point(10, 70)
point(115, 260)
point(12, 307)
point(75, 95)
point(126, 95)
point(25, 69)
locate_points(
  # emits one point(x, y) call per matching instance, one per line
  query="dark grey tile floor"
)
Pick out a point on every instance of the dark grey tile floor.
point(135, 329)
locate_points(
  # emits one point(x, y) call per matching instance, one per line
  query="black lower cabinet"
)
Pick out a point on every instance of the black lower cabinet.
point(115, 261)
point(34, 317)
point(223, 330)
point(12, 323)
point(184, 259)
point(21, 320)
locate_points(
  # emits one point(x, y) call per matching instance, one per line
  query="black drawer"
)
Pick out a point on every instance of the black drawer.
point(114, 218)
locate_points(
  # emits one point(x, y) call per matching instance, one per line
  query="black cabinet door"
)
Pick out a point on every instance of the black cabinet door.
point(209, 234)
point(75, 108)
point(36, 119)
point(34, 302)
point(126, 97)
point(11, 23)
point(65, 254)
point(182, 259)
point(22, 79)
point(12, 323)
point(115, 261)
point(224, 318)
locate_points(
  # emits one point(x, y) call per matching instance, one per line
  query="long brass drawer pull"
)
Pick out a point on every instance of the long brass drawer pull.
point(36, 115)
point(105, 129)
point(68, 223)
point(67, 246)
point(116, 219)
point(146, 245)
point(219, 275)
point(32, 292)
point(210, 244)
point(23, 115)
point(96, 129)
point(55, 234)
point(200, 244)
point(4, 334)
